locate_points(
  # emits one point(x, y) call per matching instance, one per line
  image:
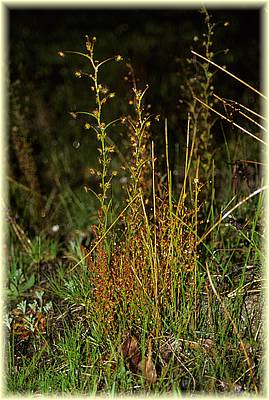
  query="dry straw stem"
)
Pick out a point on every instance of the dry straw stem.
point(188, 160)
point(221, 218)
point(228, 315)
point(155, 268)
point(147, 366)
point(241, 113)
point(230, 121)
point(25, 188)
point(19, 232)
point(229, 73)
point(248, 110)
point(167, 156)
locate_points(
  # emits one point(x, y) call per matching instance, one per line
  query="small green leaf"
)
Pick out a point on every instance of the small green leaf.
point(28, 284)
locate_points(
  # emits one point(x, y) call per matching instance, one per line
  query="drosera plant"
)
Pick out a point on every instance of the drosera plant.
point(100, 127)
point(153, 282)
point(197, 93)
point(152, 291)
point(140, 157)
point(158, 307)
point(135, 276)
point(200, 80)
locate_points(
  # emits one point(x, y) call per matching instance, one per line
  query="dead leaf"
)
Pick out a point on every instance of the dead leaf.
point(148, 368)
point(205, 344)
point(193, 345)
point(130, 351)
point(129, 347)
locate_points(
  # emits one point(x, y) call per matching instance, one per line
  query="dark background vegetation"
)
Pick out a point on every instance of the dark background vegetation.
point(156, 43)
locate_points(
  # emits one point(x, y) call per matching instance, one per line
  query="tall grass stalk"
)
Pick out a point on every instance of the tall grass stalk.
point(229, 317)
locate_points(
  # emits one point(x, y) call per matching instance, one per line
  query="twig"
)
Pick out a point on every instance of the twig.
point(229, 73)
point(229, 120)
